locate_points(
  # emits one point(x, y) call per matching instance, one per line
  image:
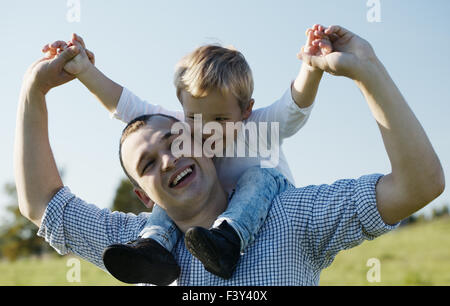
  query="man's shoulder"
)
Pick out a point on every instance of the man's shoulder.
point(301, 203)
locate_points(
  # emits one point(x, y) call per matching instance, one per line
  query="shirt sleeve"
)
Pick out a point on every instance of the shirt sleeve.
point(131, 106)
point(331, 218)
point(286, 112)
point(70, 225)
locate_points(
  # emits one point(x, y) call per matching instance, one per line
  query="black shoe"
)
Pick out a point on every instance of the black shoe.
point(141, 261)
point(218, 248)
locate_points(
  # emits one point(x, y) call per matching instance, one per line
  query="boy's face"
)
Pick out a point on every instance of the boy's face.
point(217, 107)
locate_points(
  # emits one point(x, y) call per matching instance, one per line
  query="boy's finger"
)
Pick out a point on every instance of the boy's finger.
point(316, 42)
point(58, 44)
point(309, 38)
point(80, 40)
point(78, 45)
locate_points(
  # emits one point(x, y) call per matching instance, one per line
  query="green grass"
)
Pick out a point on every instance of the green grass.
point(413, 255)
point(52, 271)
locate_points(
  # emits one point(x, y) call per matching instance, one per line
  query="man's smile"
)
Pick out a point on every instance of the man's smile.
point(182, 177)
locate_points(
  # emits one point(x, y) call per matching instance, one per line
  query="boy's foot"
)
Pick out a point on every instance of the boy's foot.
point(141, 261)
point(218, 248)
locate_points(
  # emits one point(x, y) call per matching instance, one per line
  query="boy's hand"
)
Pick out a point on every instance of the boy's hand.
point(317, 43)
point(80, 63)
point(350, 54)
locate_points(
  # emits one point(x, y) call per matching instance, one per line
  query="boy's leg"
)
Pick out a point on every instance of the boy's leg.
point(161, 228)
point(147, 259)
point(248, 208)
point(219, 248)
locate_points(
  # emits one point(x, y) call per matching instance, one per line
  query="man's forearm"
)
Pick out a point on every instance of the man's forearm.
point(417, 176)
point(36, 174)
point(305, 86)
point(105, 90)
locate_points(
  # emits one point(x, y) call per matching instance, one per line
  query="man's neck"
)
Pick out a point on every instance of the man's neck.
point(215, 204)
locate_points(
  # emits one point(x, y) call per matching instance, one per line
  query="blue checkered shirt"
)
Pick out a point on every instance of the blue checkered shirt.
point(304, 230)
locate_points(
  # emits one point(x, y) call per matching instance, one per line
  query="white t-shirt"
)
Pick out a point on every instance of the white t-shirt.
point(289, 116)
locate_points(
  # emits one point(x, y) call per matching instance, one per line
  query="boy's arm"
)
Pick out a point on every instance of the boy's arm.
point(304, 89)
point(104, 89)
point(115, 98)
point(83, 67)
point(292, 110)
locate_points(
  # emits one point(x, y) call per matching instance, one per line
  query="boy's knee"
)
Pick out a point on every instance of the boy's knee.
point(258, 175)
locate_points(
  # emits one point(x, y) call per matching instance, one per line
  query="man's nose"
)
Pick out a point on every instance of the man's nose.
point(168, 161)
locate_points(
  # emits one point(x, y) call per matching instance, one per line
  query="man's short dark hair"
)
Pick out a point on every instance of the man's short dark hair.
point(132, 127)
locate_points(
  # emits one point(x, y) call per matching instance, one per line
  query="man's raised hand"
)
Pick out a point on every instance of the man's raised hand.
point(349, 56)
point(48, 72)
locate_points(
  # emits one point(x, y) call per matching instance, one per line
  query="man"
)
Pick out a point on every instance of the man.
point(306, 227)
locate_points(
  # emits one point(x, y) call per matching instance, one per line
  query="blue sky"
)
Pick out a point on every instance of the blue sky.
point(137, 43)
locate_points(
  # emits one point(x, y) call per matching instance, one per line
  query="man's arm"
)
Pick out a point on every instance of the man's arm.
point(36, 174)
point(37, 177)
point(417, 177)
point(66, 222)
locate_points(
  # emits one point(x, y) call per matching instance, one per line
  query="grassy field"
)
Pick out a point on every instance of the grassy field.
point(413, 255)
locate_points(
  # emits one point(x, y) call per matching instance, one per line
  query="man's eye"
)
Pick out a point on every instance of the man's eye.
point(221, 119)
point(147, 166)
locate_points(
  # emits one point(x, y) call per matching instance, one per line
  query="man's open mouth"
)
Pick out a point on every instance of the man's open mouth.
point(182, 177)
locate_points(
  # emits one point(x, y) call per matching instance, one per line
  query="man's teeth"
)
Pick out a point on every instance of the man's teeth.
point(181, 175)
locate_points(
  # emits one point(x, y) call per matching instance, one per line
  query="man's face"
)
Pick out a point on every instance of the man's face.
point(179, 185)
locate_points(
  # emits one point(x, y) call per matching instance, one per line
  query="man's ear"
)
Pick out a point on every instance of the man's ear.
point(144, 198)
point(247, 112)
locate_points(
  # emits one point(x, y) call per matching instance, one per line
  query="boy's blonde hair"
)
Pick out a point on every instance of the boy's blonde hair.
point(212, 67)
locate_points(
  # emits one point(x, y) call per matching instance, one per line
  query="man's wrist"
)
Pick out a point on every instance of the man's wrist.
point(371, 71)
point(31, 89)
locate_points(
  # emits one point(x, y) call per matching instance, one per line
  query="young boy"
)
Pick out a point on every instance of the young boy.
point(217, 83)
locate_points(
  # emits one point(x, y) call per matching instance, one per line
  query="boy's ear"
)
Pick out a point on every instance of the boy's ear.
point(144, 198)
point(247, 112)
